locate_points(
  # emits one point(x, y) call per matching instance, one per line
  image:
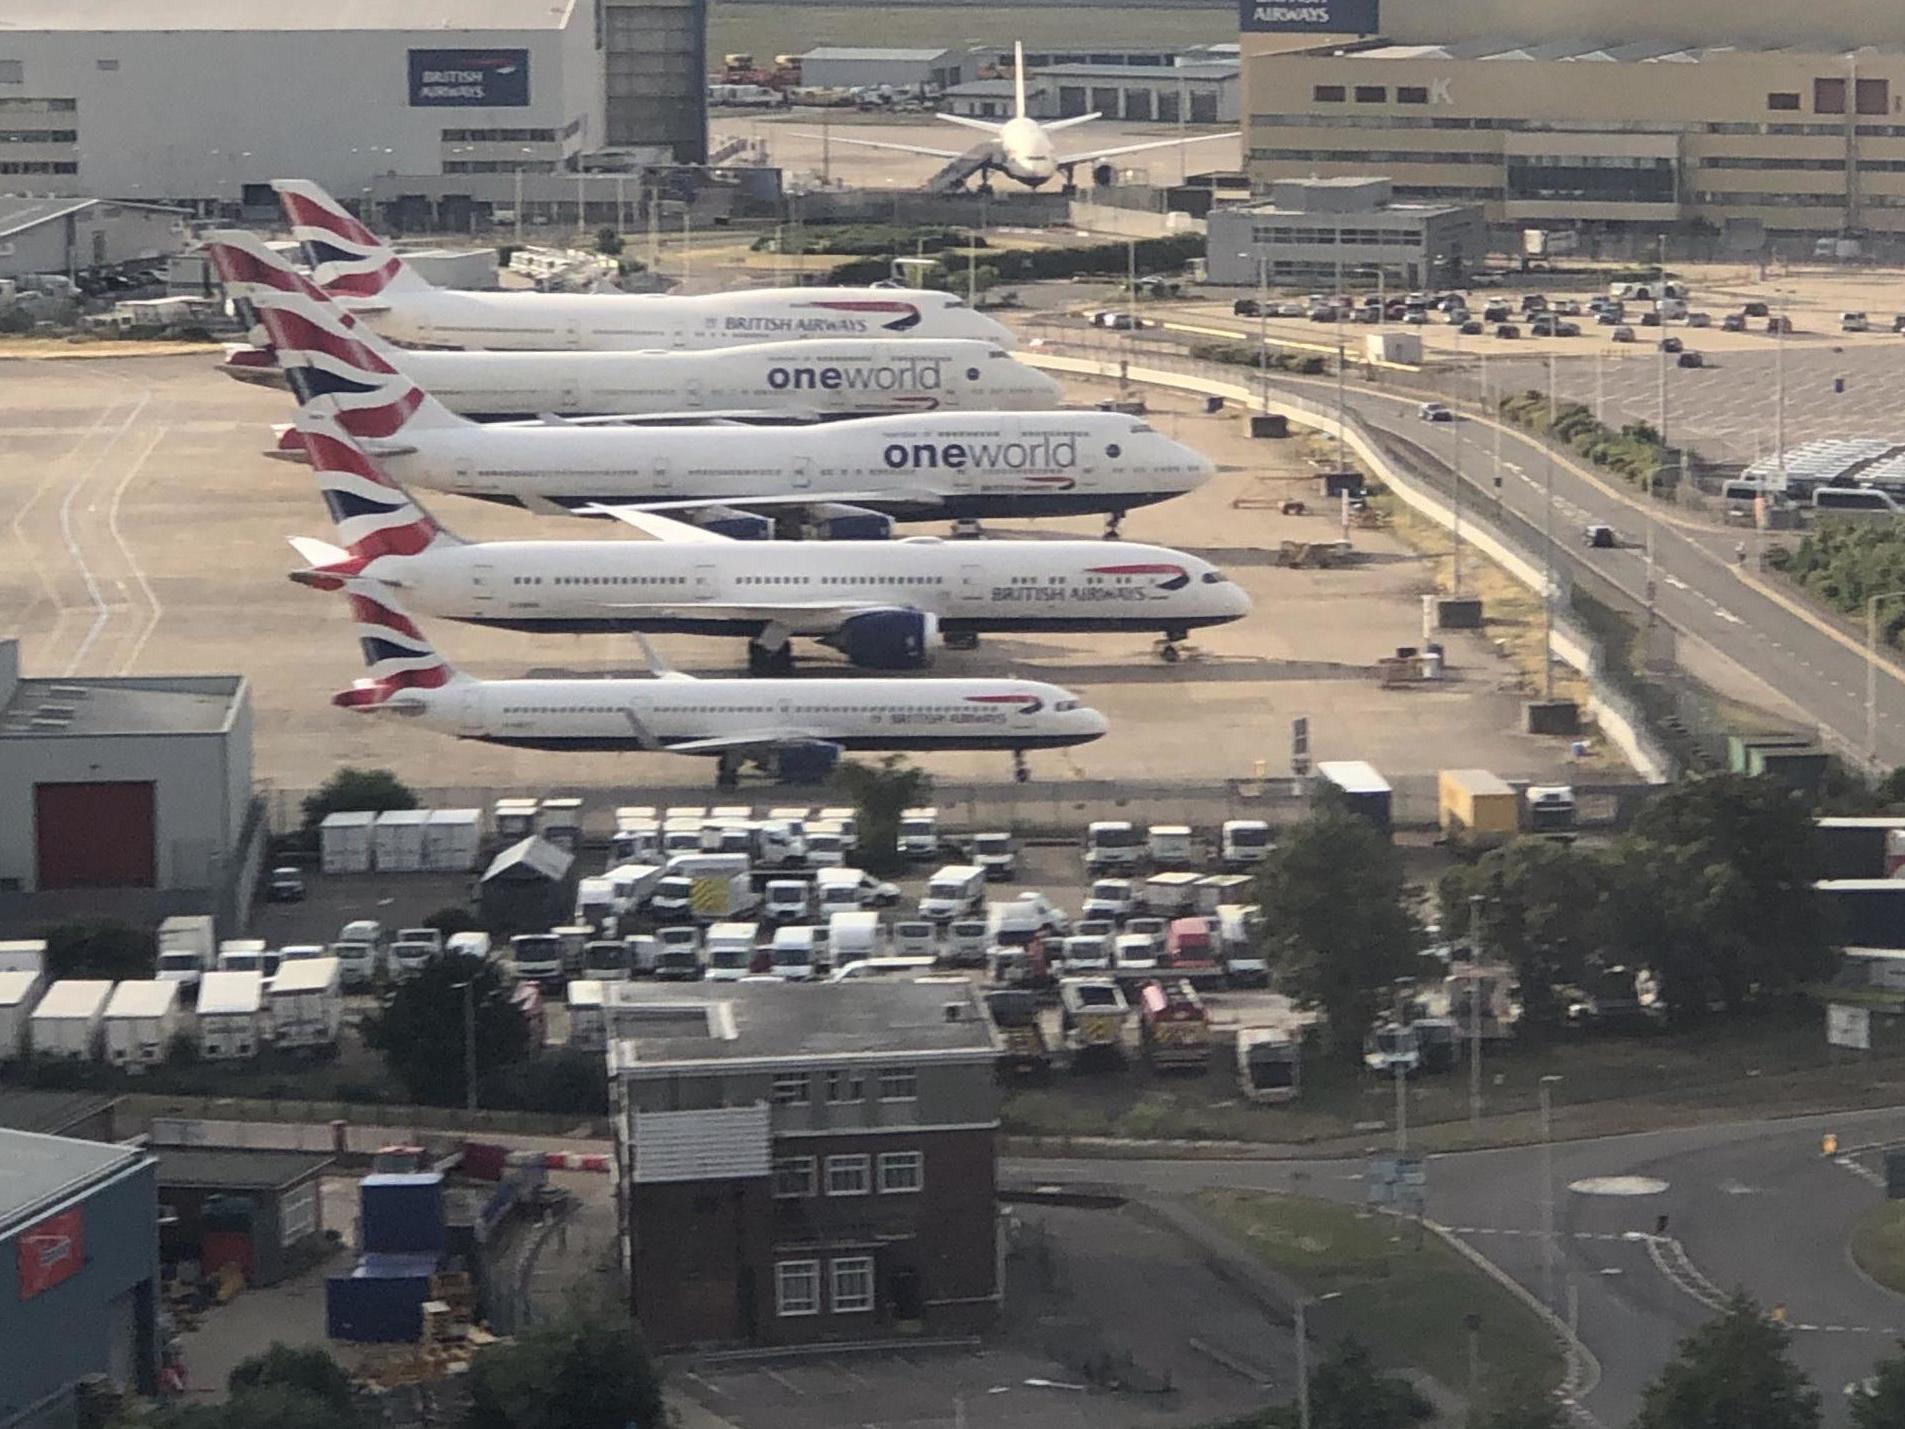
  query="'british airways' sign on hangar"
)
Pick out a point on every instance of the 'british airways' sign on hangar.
point(1327, 17)
point(478, 79)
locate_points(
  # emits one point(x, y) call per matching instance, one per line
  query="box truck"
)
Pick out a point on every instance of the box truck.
point(231, 1015)
point(1361, 788)
point(23, 955)
point(1476, 807)
point(305, 1003)
point(188, 947)
point(66, 1023)
point(19, 992)
point(141, 1019)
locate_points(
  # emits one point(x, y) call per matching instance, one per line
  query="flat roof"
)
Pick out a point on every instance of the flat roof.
point(39, 1171)
point(235, 1169)
point(1599, 51)
point(450, 15)
point(74, 997)
point(304, 975)
point(235, 992)
point(163, 704)
point(873, 52)
point(1161, 73)
point(743, 1022)
point(17, 986)
point(19, 214)
point(49, 1112)
point(143, 997)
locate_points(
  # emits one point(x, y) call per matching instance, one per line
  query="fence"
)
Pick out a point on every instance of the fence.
point(298, 1125)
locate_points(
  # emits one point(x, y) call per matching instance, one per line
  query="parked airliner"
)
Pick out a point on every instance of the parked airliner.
point(797, 728)
point(1021, 148)
point(358, 268)
point(799, 379)
point(947, 466)
point(885, 605)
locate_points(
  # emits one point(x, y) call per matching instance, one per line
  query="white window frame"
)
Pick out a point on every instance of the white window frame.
point(298, 1214)
point(854, 1265)
point(788, 1165)
point(892, 1159)
point(786, 1271)
point(854, 1081)
point(855, 1160)
point(911, 1076)
point(791, 1089)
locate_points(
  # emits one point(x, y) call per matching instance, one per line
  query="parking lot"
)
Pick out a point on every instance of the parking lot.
point(148, 535)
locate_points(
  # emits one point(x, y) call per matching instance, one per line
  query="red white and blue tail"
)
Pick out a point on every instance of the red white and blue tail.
point(399, 656)
point(249, 269)
point(375, 517)
point(329, 366)
point(348, 260)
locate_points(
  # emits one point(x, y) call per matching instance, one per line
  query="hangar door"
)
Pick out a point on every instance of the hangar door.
point(94, 835)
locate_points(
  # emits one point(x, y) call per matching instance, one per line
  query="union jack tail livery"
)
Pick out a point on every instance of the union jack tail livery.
point(252, 273)
point(328, 364)
point(374, 516)
point(399, 657)
point(348, 259)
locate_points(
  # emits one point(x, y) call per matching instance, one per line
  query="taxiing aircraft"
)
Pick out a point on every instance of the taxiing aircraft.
point(360, 270)
point(885, 605)
point(802, 379)
point(796, 728)
point(1021, 148)
point(955, 465)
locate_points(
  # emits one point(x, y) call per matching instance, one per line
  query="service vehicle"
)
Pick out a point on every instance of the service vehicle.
point(1015, 1016)
point(855, 936)
point(1240, 945)
point(1170, 846)
point(838, 888)
point(826, 845)
point(536, 957)
point(1092, 1014)
point(1112, 846)
point(244, 955)
point(1391, 1050)
point(919, 832)
point(967, 940)
point(1173, 1027)
point(286, 886)
point(1189, 948)
point(1134, 952)
point(1269, 1064)
point(678, 953)
point(730, 950)
point(1169, 895)
point(997, 854)
point(1216, 889)
point(1019, 920)
point(644, 951)
point(188, 948)
point(1242, 842)
point(793, 956)
point(606, 960)
point(1111, 898)
point(914, 938)
point(1087, 952)
point(953, 892)
point(408, 957)
point(597, 906)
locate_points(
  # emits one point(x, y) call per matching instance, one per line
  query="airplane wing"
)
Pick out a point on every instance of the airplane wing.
point(734, 416)
point(1094, 154)
point(662, 528)
point(884, 144)
point(984, 126)
point(748, 739)
point(748, 503)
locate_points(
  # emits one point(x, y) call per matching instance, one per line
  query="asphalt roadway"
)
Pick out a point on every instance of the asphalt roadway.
point(1751, 1205)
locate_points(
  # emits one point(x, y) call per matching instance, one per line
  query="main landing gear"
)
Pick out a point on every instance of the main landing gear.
point(727, 772)
point(770, 660)
point(1112, 523)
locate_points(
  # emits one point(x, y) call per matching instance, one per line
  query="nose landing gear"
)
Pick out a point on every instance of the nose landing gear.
point(1020, 771)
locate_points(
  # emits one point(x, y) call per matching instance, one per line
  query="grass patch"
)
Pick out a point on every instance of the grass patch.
point(1404, 1292)
point(1878, 1244)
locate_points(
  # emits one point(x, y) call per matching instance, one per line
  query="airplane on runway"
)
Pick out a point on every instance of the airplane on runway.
point(801, 379)
point(360, 271)
point(1021, 148)
point(885, 605)
point(795, 728)
point(863, 471)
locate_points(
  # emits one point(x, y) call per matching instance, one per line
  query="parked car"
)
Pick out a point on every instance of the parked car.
point(1507, 331)
point(286, 886)
point(1623, 333)
point(1246, 308)
point(1601, 537)
point(1672, 344)
point(1733, 322)
point(1650, 318)
point(1471, 328)
point(1435, 412)
point(1690, 359)
point(1699, 319)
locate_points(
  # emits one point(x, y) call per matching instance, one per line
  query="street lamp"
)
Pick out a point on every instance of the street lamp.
point(1872, 603)
point(1475, 902)
point(1303, 1304)
point(1547, 1188)
point(468, 987)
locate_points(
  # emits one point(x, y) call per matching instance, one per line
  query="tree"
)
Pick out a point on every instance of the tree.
point(1347, 1391)
point(1716, 894)
point(419, 1028)
point(307, 1370)
point(1735, 1371)
point(452, 920)
point(1334, 923)
point(588, 1369)
point(608, 242)
point(1540, 911)
point(880, 792)
point(373, 789)
point(1880, 1402)
point(100, 948)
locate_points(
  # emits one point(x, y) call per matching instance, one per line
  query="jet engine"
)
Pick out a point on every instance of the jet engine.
point(805, 763)
point(1104, 175)
point(735, 525)
point(834, 521)
point(888, 639)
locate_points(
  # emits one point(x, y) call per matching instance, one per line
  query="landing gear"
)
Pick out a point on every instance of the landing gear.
point(1020, 772)
point(1171, 647)
point(961, 639)
point(1112, 523)
point(727, 772)
point(1167, 651)
point(769, 660)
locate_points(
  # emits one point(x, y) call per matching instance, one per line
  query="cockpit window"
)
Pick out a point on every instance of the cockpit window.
point(1140, 428)
point(1215, 578)
point(1063, 705)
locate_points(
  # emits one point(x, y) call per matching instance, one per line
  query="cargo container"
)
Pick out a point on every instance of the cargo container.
point(243, 955)
point(230, 1015)
point(381, 1301)
point(396, 843)
point(142, 1017)
point(402, 1213)
point(188, 947)
point(1269, 1064)
point(560, 822)
point(66, 1023)
point(1476, 807)
point(452, 839)
point(1173, 1025)
point(1169, 895)
point(638, 841)
point(1361, 788)
point(1240, 944)
point(585, 1014)
point(515, 819)
point(304, 1003)
point(1092, 1014)
point(1214, 890)
point(344, 841)
point(19, 992)
point(1015, 1017)
point(1854, 848)
point(1864, 912)
point(23, 955)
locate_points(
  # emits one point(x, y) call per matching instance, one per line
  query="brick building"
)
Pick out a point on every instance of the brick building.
point(805, 1162)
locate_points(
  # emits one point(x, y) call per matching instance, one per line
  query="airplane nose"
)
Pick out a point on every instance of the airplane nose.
point(1237, 602)
point(996, 331)
point(1092, 724)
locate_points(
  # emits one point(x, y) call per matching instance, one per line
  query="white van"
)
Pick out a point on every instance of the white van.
point(841, 888)
point(1170, 845)
point(853, 937)
point(1113, 845)
point(638, 841)
point(826, 845)
point(596, 905)
point(536, 957)
point(730, 948)
point(957, 889)
point(915, 938)
point(792, 953)
point(966, 942)
point(1241, 843)
point(919, 833)
point(788, 900)
point(1238, 926)
point(997, 854)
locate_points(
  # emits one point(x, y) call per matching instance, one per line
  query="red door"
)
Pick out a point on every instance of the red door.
point(95, 835)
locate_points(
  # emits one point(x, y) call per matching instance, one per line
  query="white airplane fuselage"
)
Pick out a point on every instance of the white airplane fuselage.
point(914, 715)
point(943, 466)
point(831, 377)
point(600, 322)
point(800, 586)
point(1026, 152)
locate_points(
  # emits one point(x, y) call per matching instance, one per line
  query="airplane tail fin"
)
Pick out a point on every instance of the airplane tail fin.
point(348, 260)
point(397, 653)
point(326, 364)
point(1018, 79)
point(249, 268)
point(374, 515)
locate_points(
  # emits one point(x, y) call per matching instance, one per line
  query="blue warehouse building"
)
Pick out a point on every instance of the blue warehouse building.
point(79, 1273)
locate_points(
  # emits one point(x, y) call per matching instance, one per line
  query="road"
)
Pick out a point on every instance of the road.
point(1751, 1205)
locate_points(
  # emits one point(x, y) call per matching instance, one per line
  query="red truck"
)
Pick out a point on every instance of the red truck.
point(1173, 1025)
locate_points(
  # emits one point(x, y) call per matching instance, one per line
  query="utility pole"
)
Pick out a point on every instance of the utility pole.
point(1455, 469)
point(1475, 1010)
point(1263, 331)
point(469, 1043)
point(1547, 547)
point(1302, 1364)
point(519, 205)
point(1342, 459)
point(687, 244)
point(1547, 1189)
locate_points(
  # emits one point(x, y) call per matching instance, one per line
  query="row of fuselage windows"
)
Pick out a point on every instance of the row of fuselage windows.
point(599, 580)
point(733, 709)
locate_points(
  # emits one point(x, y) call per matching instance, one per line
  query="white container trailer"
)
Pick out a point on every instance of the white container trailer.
point(304, 1003)
point(587, 1031)
point(231, 1015)
point(23, 955)
point(397, 840)
point(66, 1023)
point(451, 840)
point(344, 841)
point(142, 1017)
point(188, 947)
point(19, 992)
point(515, 819)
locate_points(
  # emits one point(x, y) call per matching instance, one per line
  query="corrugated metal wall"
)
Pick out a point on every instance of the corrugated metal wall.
point(655, 54)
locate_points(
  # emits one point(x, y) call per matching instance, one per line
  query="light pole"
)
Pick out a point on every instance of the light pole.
point(1475, 903)
point(1547, 544)
point(1872, 604)
point(1455, 487)
point(1547, 1189)
point(1303, 1354)
point(468, 985)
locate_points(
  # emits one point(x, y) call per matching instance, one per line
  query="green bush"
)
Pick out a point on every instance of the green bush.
point(1635, 453)
point(1242, 354)
point(1845, 563)
point(1024, 265)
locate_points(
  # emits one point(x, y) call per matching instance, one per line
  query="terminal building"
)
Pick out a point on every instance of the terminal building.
point(1633, 120)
